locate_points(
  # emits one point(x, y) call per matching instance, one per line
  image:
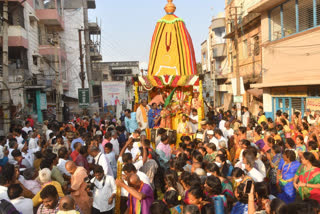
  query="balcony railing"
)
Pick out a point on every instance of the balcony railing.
point(48, 4)
point(218, 23)
point(95, 53)
point(219, 50)
point(49, 12)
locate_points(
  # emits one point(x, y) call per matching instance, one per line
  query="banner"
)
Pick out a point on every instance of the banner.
point(313, 104)
point(83, 96)
point(113, 94)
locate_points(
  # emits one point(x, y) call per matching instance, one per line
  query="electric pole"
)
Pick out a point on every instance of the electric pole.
point(87, 48)
point(56, 44)
point(82, 75)
point(5, 71)
point(237, 72)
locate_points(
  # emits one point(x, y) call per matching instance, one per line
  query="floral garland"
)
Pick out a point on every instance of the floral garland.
point(170, 21)
point(149, 82)
point(136, 95)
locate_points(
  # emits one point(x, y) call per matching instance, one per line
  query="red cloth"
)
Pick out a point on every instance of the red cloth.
point(74, 155)
point(31, 121)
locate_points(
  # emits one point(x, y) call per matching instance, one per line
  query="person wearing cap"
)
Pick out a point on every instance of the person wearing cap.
point(212, 139)
point(184, 126)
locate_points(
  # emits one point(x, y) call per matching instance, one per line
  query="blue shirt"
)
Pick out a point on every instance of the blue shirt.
point(131, 124)
point(76, 141)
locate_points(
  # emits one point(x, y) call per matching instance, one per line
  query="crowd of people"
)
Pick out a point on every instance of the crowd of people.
point(231, 165)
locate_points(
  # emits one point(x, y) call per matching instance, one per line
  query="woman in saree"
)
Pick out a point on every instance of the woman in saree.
point(308, 177)
point(286, 176)
point(274, 159)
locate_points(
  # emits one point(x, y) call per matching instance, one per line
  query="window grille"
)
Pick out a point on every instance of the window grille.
point(297, 104)
point(305, 14)
point(256, 45)
point(275, 23)
point(289, 18)
point(318, 11)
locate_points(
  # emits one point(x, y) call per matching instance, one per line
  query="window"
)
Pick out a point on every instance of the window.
point(289, 18)
point(293, 16)
point(245, 49)
point(318, 12)
point(275, 24)
point(305, 14)
point(256, 45)
point(35, 60)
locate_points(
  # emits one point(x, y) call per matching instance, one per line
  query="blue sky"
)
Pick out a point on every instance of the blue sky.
point(128, 25)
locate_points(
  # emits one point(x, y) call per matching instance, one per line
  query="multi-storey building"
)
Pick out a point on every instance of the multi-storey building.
point(74, 22)
point(43, 54)
point(290, 31)
point(214, 61)
point(118, 71)
point(247, 47)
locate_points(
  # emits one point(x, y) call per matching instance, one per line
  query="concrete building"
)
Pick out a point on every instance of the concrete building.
point(249, 50)
point(36, 55)
point(74, 21)
point(290, 31)
point(43, 55)
point(117, 71)
point(214, 61)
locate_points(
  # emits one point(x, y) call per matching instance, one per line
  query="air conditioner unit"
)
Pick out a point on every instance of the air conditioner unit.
point(18, 78)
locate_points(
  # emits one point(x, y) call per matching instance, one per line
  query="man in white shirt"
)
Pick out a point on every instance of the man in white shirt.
point(63, 159)
point(130, 169)
point(219, 136)
point(27, 154)
point(129, 148)
point(222, 124)
point(115, 143)
point(111, 157)
point(212, 139)
point(104, 191)
point(245, 117)
point(228, 132)
point(142, 115)
point(4, 183)
point(33, 142)
point(27, 127)
point(100, 159)
point(22, 162)
point(193, 120)
point(249, 161)
point(12, 146)
point(23, 205)
point(48, 132)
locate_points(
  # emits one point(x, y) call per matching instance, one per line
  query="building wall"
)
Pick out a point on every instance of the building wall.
point(250, 60)
point(293, 60)
point(73, 22)
point(33, 40)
